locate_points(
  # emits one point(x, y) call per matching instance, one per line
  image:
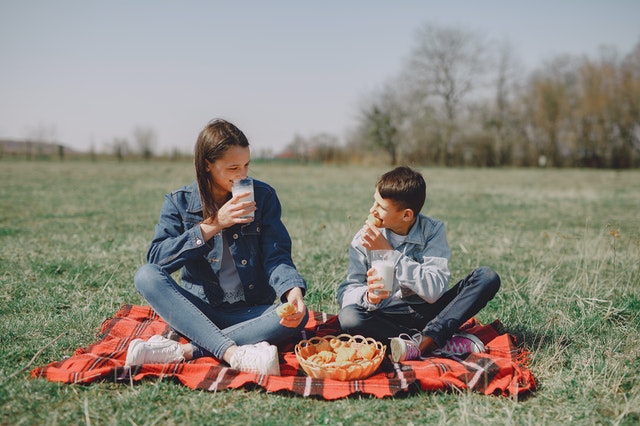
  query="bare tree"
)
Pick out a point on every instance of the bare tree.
point(145, 138)
point(551, 100)
point(299, 148)
point(383, 119)
point(324, 147)
point(38, 136)
point(119, 147)
point(503, 118)
point(446, 66)
point(628, 106)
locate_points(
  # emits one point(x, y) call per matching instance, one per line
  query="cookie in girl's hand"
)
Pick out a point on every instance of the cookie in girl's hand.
point(285, 310)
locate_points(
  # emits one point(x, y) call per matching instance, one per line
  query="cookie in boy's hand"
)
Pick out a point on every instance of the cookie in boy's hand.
point(372, 220)
point(285, 310)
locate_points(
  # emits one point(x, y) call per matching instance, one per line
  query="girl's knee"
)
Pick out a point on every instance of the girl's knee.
point(145, 277)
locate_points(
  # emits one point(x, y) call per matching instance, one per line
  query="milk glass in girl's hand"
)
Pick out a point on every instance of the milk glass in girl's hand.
point(243, 185)
point(383, 262)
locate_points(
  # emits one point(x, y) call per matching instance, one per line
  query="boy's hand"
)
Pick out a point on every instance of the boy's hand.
point(373, 284)
point(372, 239)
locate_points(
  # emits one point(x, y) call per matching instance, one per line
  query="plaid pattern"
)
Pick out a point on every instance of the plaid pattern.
point(502, 370)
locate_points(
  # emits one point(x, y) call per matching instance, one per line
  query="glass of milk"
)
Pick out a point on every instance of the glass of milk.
point(241, 186)
point(383, 262)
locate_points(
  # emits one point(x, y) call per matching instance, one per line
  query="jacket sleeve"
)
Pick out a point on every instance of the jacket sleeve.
point(177, 238)
point(352, 291)
point(427, 275)
point(276, 249)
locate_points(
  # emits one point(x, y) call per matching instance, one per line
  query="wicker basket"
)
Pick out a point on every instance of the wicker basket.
point(354, 357)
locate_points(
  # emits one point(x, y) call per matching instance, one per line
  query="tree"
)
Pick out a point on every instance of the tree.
point(597, 81)
point(551, 99)
point(383, 118)
point(325, 147)
point(145, 138)
point(120, 148)
point(502, 119)
point(628, 105)
point(445, 67)
point(382, 131)
point(298, 148)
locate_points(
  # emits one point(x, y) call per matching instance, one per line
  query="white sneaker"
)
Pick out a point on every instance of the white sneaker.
point(157, 350)
point(261, 358)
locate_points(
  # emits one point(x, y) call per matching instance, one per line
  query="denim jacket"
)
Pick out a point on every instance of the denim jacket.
point(422, 269)
point(261, 250)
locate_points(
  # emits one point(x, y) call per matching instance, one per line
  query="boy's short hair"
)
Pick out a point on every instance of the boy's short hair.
point(405, 187)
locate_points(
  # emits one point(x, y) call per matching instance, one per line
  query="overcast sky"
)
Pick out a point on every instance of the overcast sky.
point(85, 72)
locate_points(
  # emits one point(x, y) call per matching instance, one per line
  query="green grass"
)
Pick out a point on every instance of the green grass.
point(73, 234)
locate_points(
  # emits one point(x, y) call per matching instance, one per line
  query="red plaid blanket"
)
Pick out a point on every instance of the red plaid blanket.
point(502, 370)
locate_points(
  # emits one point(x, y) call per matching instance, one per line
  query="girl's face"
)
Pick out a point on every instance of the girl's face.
point(234, 164)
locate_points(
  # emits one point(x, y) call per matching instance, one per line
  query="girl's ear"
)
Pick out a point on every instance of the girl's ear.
point(208, 169)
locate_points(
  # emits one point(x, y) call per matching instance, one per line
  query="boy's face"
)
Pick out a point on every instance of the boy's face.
point(393, 218)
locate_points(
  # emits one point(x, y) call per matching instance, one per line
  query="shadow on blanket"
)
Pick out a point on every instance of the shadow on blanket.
point(502, 370)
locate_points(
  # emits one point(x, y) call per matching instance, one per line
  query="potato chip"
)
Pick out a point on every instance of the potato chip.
point(366, 351)
point(345, 353)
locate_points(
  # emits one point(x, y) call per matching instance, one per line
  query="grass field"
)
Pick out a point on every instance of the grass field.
point(565, 242)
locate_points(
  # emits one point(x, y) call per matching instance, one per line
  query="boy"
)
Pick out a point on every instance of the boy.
point(420, 316)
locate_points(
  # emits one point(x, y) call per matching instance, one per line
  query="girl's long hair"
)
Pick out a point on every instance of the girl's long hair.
point(213, 141)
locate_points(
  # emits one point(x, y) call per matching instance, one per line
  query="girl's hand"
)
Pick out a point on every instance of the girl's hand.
point(294, 296)
point(229, 214)
point(233, 211)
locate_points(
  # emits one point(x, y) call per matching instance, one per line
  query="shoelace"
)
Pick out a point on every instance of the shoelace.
point(413, 352)
point(412, 346)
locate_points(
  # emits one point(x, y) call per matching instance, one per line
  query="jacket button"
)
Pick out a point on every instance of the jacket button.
point(244, 262)
point(235, 236)
point(257, 228)
point(251, 286)
point(198, 242)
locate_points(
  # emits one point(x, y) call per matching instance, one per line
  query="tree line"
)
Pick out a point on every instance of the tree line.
point(461, 100)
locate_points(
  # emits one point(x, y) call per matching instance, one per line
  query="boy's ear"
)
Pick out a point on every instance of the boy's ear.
point(407, 215)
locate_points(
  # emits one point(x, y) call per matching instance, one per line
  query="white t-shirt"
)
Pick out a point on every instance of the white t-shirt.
point(396, 240)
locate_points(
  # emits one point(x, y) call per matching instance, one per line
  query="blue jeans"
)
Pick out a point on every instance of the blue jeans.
point(211, 329)
point(439, 320)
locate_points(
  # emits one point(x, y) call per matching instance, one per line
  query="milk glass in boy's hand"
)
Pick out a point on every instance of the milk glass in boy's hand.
point(243, 185)
point(383, 262)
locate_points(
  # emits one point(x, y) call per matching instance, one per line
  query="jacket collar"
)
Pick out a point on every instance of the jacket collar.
point(195, 204)
point(416, 234)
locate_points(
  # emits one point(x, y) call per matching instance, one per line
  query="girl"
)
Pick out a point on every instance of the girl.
point(235, 259)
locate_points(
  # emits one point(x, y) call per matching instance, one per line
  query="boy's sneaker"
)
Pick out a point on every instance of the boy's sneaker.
point(405, 347)
point(460, 344)
point(261, 358)
point(156, 350)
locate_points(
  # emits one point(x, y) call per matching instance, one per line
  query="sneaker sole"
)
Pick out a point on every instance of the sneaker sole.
point(397, 350)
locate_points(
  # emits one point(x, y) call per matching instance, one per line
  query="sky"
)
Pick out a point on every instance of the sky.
point(84, 72)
